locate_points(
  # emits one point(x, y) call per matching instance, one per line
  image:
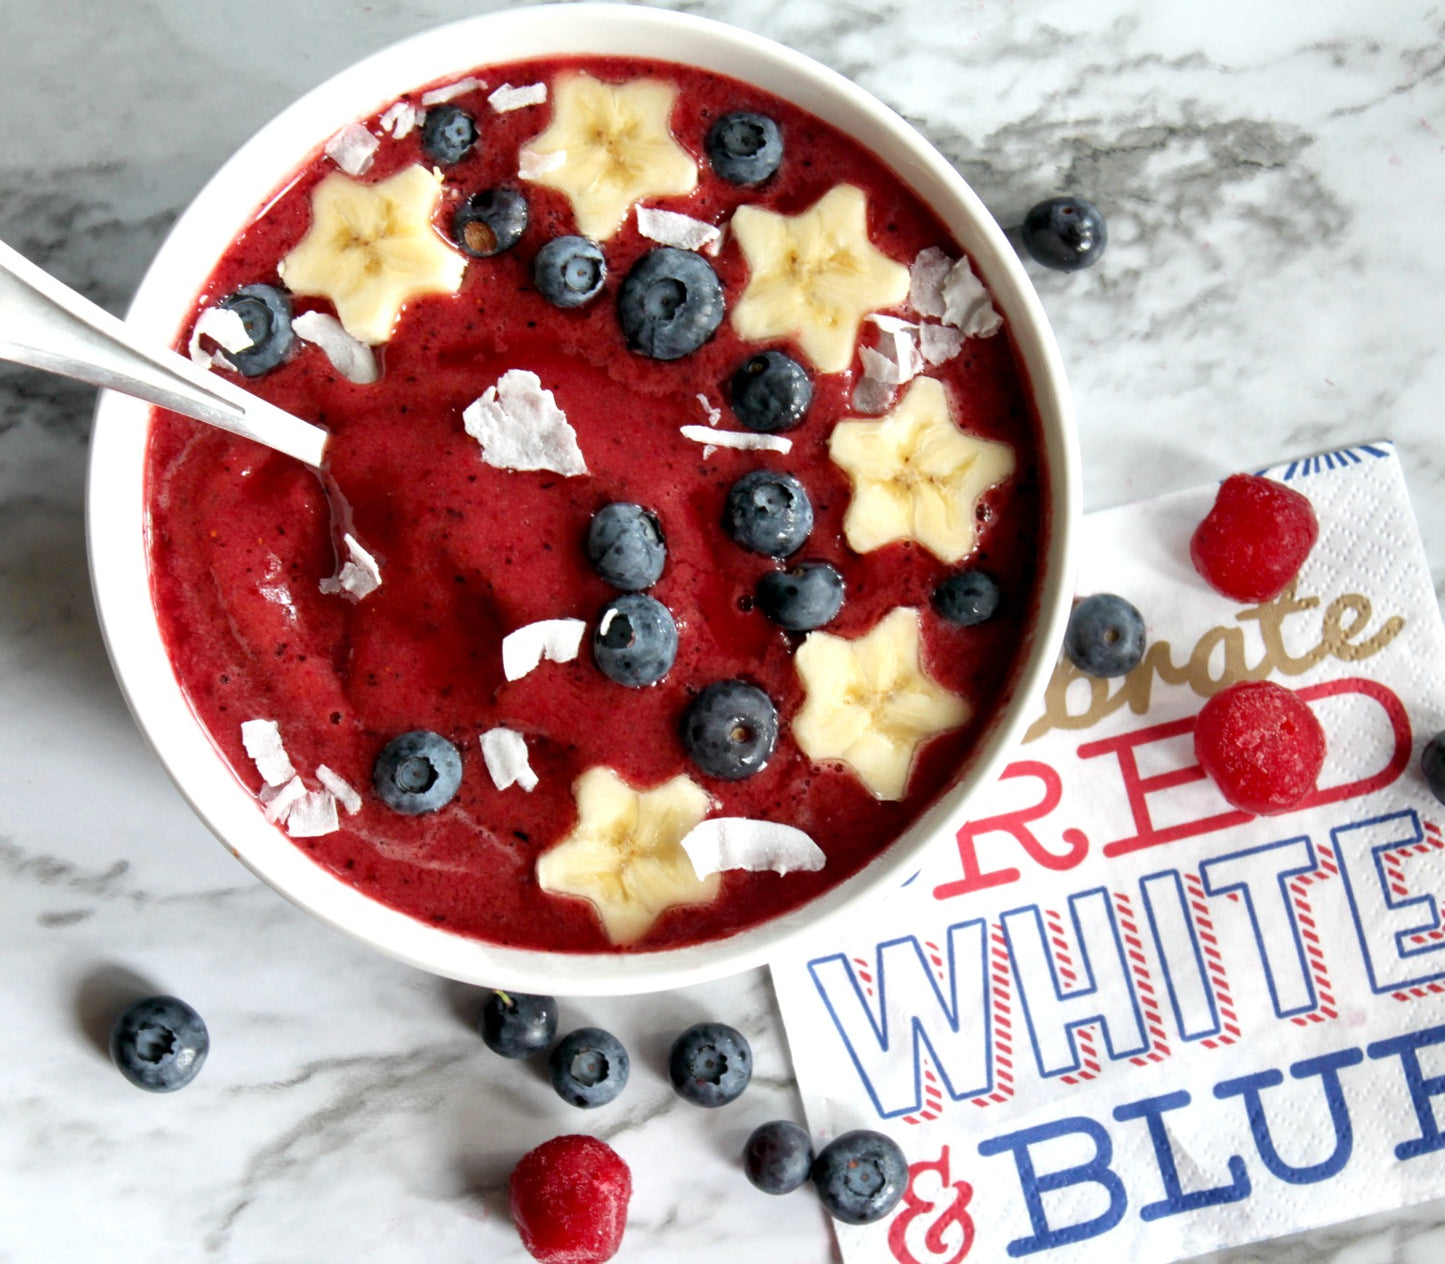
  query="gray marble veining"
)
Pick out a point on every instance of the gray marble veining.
point(1271, 175)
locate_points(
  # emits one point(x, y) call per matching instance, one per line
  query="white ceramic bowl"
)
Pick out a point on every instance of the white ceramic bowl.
point(117, 519)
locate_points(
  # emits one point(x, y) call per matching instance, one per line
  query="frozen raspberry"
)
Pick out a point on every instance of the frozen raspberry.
point(1255, 538)
point(1261, 744)
point(569, 1200)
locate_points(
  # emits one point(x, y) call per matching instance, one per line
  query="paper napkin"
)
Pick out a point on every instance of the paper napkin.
point(1114, 1019)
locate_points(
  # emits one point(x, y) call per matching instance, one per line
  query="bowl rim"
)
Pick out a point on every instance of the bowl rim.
point(117, 527)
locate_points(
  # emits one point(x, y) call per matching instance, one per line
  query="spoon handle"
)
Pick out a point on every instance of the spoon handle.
point(47, 325)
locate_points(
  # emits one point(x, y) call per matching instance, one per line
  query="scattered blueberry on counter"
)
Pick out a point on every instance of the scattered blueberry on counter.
point(670, 303)
point(447, 134)
point(159, 1044)
point(803, 597)
point(635, 642)
point(729, 730)
point(265, 312)
point(517, 1024)
point(490, 221)
point(768, 512)
point(1105, 636)
point(710, 1064)
point(860, 1176)
point(568, 271)
point(589, 1067)
point(417, 772)
point(1065, 233)
point(744, 148)
point(778, 1156)
point(770, 392)
point(625, 546)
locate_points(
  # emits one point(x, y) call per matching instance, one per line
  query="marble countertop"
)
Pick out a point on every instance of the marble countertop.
point(1273, 178)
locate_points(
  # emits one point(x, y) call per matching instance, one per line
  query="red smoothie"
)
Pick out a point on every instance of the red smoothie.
point(240, 538)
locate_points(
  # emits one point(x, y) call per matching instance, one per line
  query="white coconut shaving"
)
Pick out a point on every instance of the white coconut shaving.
point(939, 343)
point(279, 800)
point(531, 165)
point(671, 228)
point(744, 440)
point(508, 98)
point(738, 842)
point(967, 305)
point(449, 92)
point(262, 740)
point(925, 281)
point(400, 120)
point(714, 414)
point(359, 575)
point(352, 149)
point(520, 427)
point(871, 396)
point(349, 356)
point(226, 329)
point(342, 789)
point(895, 360)
point(559, 640)
point(313, 815)
point(505, 753)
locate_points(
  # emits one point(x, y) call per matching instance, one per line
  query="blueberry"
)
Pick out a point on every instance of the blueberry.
point(778, 1156)
point(159, 1044)
point(671, 302)
point(1432, 765)
point(710, 1064)
point(744, 148)
point(490, 222)
point(860, 1176)
point(636, 640)
point(417, 772)
point(516, 1024)
point(804, 597)
point(624, 545)
point(265, 311)
point(448, 134)
point(967, 598)
point(729, 730)
point(1065, 233)
point(771, 392)
point(589, 1067)
point(1105, 636)
point(569, 270)
point(768, 513)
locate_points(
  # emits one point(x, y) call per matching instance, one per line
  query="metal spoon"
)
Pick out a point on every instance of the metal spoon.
point(47, 325)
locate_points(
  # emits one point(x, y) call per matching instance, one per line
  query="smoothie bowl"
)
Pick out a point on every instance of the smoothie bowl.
point(693, 537)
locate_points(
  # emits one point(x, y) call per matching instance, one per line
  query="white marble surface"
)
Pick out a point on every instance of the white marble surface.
point(1273, 176)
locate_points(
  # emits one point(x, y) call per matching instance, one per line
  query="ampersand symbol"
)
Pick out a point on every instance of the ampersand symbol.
point(940, 1207)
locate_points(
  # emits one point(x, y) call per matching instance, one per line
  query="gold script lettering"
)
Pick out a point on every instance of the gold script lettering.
point(1220, 658)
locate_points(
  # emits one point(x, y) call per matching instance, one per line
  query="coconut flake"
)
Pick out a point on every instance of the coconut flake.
point(738, 842)
point(349, 356)
point(672, 228)
point(966, 304)
point(352, 149)
point(505, 753)
point(401, 119)
point(559, 640)
point(342, 789)
point(509, 98)
point(939, 343)
point(359, 575)
point(313, 815)
point(451, 91)
point(532, 166)
point(262, 740)
point(279, 800)
point(225, 328)
point(925, 281)
point(520, 427)
point(871, 396)
point(742, 439)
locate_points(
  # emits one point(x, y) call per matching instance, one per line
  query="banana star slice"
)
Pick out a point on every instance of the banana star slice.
point(625, 853)
point(916, 475)
point(608, 147)
point(869, 703)
point(814, 276)
point(371, 248)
